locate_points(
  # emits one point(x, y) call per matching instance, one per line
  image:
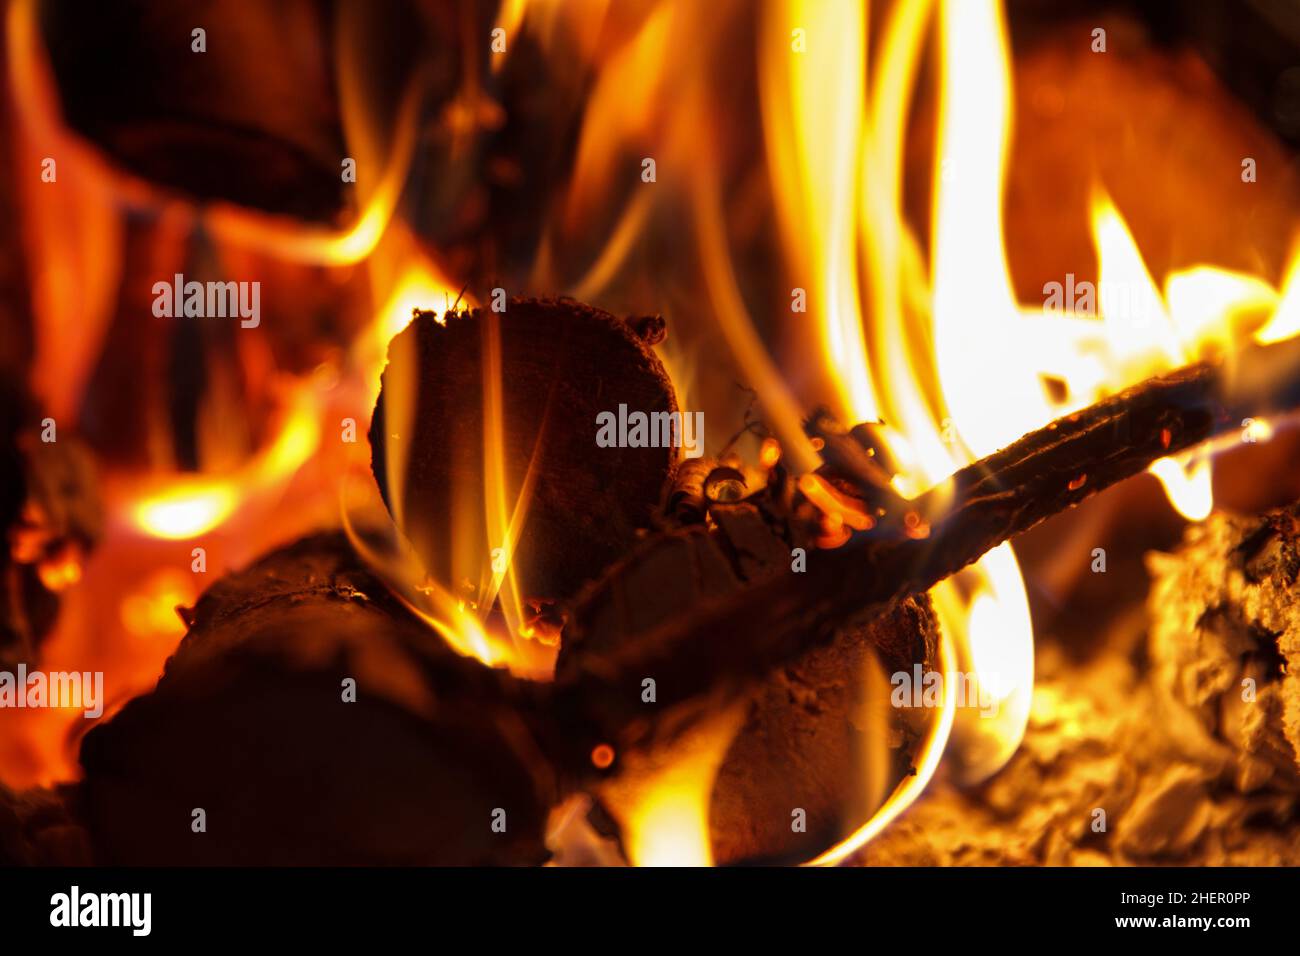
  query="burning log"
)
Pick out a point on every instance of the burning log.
point(306, 718)
point(816, 737)
point(776, 617)
point(274, 121)
point(724, 632)
point(820, 737)
point(260, 92)
point(560, 365)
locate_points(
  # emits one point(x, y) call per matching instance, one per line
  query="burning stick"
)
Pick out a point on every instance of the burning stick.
point(776, 618)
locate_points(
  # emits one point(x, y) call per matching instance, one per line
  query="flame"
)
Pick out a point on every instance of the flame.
point(954, 364)
point(932, 390)
point(671, 828)
point(662, 802)
point(504, 521)
point(1285, 319)
point(974, 320)
point(813, 118)
point(150, 611)
point(187, 506)
point(926, 336)
point(466, 621)
point(179, 512)
point(171, 532)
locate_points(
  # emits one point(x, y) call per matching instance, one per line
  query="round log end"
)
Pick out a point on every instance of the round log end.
point(821, 748)
point(561, 364)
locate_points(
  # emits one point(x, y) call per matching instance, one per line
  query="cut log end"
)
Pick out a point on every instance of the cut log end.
point(560, 365)
point(820, 748)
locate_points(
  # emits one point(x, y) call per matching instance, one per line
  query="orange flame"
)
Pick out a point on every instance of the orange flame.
point(930, 339)
point(953, 362)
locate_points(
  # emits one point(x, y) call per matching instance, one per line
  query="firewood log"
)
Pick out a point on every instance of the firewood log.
point(726, 640)
point(253, 733)
point(241, 723)
point(806, 742)
point(561, 364)
point(805, 732)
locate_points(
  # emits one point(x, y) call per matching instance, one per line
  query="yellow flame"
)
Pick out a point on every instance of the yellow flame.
point(986, 397)
point(1145, 333)
point(664, 814)
point(892, 257)
point(181, 512)
point(943, 351)
point(673, 824)
point(975, 316)
point(185, 506)
point(414, 282)
point(1285, 320)
point(834, 149)
point(1188, 485)
point(420, 286)
point(932, 751)
point(813, 116)
point(504, 522)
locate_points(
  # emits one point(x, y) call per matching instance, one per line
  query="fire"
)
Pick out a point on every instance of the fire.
point(179, 513)
point(664, 814)
point(465, 618)
point(921, 331)
point(813, 119)
point(974, 321)
point(951, 361)
point(935, 397)
point(149, 613)
point(264, 438)
point(188, 506)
